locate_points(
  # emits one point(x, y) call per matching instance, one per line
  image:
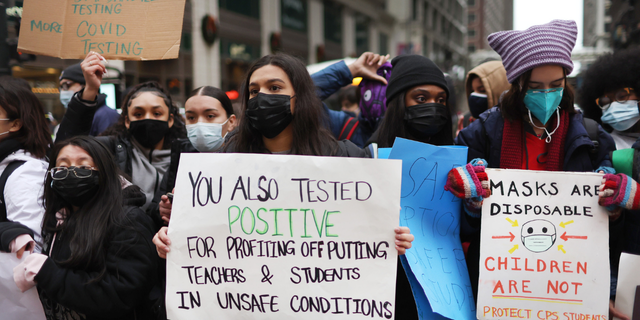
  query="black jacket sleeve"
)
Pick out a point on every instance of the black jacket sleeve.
point(10, 230)
point(131, 273)
point(78, 118)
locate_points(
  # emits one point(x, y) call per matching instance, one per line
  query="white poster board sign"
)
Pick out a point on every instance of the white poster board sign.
point(544, 247)
point(283, 237)
point(628, 280)
point(16, 305)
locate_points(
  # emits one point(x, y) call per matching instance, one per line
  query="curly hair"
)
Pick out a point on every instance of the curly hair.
point(610, 72)
point(177, 131)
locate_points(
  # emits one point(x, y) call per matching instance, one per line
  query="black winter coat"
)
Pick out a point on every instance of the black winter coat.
point(131, 262)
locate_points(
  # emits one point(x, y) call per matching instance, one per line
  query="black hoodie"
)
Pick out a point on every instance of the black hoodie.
point(132, 266)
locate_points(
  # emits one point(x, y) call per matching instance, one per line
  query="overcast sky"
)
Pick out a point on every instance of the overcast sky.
point(527, 13)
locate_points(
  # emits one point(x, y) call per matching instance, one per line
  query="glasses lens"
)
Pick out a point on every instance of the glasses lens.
point(59, 173)
point(83, 172)
point(604, 102)
point(622, 96)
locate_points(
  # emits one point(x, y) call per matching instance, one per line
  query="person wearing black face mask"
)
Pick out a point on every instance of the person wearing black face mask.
point(97, 260)
point(141, 139)
point(417, 107)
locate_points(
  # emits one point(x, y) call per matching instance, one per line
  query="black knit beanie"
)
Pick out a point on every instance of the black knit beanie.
point(73, 73)
point(413, 70)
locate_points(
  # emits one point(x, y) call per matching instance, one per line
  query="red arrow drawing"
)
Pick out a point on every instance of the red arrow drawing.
point(565, 237)
point(510, 236)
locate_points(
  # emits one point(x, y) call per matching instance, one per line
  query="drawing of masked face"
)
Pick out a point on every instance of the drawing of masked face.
point(538, 235)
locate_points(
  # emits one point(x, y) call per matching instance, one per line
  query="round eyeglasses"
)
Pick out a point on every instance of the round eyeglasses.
point(621, 96)
point(60, 173)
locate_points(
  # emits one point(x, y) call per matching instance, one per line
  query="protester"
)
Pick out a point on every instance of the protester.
point(24, 144)
point(417, 104)
point(609, 93)
point(98, 260)
point(276, 88)
point(375, 71)
point(210, 117)
point(141, 140)
point(534, 126)
point(484, 85)
point(348, 97)
point(72, 81)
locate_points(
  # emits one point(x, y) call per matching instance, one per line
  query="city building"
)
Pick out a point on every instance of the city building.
point(485, 17)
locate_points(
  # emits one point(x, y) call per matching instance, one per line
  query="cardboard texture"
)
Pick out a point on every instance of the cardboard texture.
point(117, 29)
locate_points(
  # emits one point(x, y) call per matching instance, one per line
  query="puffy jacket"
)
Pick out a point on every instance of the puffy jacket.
point(484, 140)
point(132, 266)
point(328, 81)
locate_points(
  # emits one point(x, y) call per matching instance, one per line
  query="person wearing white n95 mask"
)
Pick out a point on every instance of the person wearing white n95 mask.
point(209, 117)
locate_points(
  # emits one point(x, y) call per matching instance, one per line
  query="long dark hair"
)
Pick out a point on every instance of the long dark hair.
point(19, 102)
point(177, 131)
point(89, 226)
point(393, 126)
point(310, 135)
point(512, 103)
point(215, 93)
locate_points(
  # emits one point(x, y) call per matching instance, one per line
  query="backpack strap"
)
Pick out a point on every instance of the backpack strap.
point(348, 128)
point(592, 130)
point(623, 161)
point(12, 166)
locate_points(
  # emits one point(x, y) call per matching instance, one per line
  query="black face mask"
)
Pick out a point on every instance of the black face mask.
point(425, 120)
point(77, 191)
point(478, 103)
point(269, 113)
point(148, 132)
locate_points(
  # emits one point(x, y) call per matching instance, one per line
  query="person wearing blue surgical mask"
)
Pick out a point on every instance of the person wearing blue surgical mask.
point(209, 118)
point(71, 81)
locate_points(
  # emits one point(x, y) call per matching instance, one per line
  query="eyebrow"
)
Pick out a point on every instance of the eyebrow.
point(538, 82)
point(207, 110)
point(153, 107)
point(268, 81)
point(429, 92)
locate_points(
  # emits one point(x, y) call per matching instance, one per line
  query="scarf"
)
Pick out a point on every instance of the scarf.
point(513, 145)
point(8, 146)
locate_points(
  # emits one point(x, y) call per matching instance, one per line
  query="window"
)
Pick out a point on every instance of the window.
point(414, 14)
point(471, 48)
point(384, 44)
point(362, 34)
point(332, 22)
point(471, 33)
point(250, 8)
point(471, 3)
point(293, 14)
point(472, 18)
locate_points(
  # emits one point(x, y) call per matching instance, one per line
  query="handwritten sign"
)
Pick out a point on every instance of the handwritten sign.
point(544, 252)
point(16, 305)
point(117, 29)
point(628, 281)
point(435, 267)
point(274, 236)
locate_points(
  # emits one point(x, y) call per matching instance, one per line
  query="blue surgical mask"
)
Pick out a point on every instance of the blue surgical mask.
point(206, 137)
point(621, 115)
point(65, 97)
point(543, 102)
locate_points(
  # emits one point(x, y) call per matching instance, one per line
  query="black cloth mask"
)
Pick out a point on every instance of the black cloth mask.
point(478, 103)
point(148, 132)
point(425, 120)
point(269, 113)
point(77, 191)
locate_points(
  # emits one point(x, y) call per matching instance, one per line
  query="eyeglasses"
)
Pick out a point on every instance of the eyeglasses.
point(60, 173)
point(621, 96)
point(544, 90)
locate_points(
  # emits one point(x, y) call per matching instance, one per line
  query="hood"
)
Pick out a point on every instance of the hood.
point(493, 77)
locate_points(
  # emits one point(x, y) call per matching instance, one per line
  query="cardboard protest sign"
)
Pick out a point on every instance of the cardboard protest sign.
point(125, 30)
point(628, 280)
point(435, 265)
point(16, 305)
point(544, 247)
point(258, 236)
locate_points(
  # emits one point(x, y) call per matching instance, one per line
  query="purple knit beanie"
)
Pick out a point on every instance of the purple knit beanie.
point(522, 51)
